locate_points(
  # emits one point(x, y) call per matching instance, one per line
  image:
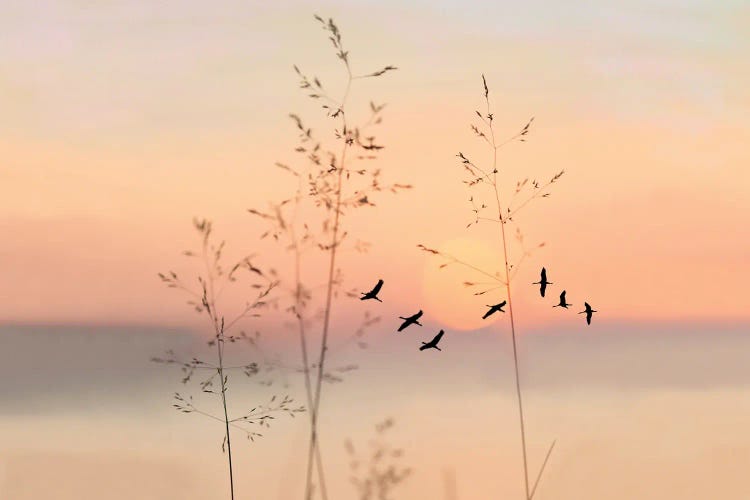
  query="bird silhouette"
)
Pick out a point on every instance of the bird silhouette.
point(543, 282)
point(432, 344)
point(589, 312)
point(411, 320)
point(494, 309)
point(562, 301)
point(373, 294)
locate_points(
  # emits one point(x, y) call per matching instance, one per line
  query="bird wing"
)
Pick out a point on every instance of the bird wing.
point(587, 306)
point(544, 274)
point(562, 297)
point(377, 287)
point(502, 304)
point(418, 315)
point(437, 337)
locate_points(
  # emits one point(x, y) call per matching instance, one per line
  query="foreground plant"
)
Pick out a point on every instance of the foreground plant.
point(335, 176)
point(377, 472)
point(497, 202)
point(204, 294)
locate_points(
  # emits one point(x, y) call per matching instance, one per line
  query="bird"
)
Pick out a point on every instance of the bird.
point(411, 320)
point(543, 282)
point(373, 294)
point(589, 312)
point(433, 343)
point(562, 301)
point(494, 309)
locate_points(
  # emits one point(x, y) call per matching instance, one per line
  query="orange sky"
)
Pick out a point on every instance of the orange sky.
point(113, 139)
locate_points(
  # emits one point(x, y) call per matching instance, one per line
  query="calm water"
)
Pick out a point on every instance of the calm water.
point(642, 411)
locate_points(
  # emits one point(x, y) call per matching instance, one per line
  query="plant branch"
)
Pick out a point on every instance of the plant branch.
point(541, 470)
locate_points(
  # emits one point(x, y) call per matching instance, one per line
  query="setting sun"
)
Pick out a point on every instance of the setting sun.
point(447, 293)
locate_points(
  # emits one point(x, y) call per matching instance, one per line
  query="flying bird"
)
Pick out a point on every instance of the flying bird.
point(589, 312)
point(494, 309)
point(411, 320)
point(562, 301)
point(543, 282)
point(373, 294)
point(433, 343)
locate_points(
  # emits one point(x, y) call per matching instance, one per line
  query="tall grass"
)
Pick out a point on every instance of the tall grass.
point(376, 472)
point(494, 201)
point(335, 174)
point(204, 293)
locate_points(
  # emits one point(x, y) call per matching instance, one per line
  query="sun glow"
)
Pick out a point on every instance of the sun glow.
point(446, 294)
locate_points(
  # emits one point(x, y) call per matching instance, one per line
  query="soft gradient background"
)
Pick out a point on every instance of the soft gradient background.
point(120, 121)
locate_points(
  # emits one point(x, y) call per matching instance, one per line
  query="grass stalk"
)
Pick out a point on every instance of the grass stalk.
point(209, 302)
point(204, 301)
point(541, 470)
point(325, 187)
point(329, 296)
point(506, 267)
point(314, 446)
point(524, 193)
point(219, 348)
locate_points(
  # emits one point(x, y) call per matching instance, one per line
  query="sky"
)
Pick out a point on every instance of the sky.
point(121, 121)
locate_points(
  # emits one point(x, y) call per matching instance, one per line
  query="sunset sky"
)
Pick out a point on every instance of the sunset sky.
point(121, 121)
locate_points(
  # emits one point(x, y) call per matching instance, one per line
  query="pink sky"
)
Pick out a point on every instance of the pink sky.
point(110, 148)
point(108, 154)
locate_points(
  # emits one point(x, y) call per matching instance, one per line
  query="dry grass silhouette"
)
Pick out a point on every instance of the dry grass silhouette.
point(335, 175)
point(205, 292)
point(376, 472)
point(495, 201)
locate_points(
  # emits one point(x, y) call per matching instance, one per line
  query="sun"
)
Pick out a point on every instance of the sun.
point(445, 295)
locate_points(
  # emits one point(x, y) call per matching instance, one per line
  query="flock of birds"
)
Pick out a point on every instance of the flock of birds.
point(563, 302)
point(433, 344)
